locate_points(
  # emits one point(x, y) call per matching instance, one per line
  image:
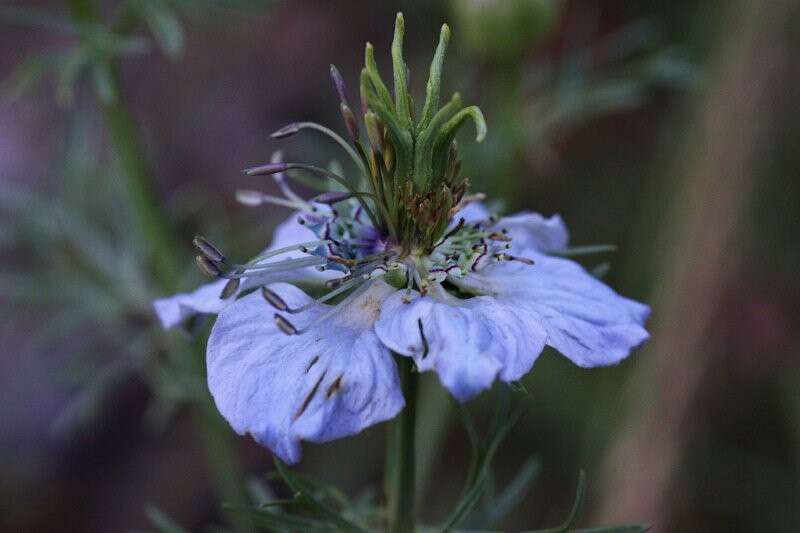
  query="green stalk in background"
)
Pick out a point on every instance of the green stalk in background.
point(156, 233)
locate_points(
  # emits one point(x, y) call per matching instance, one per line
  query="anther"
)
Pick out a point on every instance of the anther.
point(207, 266)
point(525, 260)
point(452, 232)
point(332, 197)
point(230, 288)
point(208, 249)
point(349, 121)
point(284, 325)
point(266, 170)
point(500, 236)
point(274, 300)
point(338, 83)
point(286, 131)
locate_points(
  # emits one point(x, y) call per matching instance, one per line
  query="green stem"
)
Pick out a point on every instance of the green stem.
point(156, 232)
point(153, 224)
point(400, 456)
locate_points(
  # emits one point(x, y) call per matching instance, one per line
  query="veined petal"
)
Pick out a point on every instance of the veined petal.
point(206, 299)
point(468, 343)
point(331, 381)
point(585, 320)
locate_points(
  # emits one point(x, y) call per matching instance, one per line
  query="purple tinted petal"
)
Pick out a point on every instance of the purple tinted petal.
point(585, 319)
point(332, 381)
point(468, 343)
point(532, 230)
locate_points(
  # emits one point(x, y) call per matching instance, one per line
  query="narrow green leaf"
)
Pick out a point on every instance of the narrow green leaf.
point(501, 425)
point(511, 496)
point(164, 25)
point(518, 387)
point(577, 506)
point(162, 522)
point(601, 270)
point(280, 521)
point(575, 251)
point(68, 73)
point(312, 503)
point(104, 85)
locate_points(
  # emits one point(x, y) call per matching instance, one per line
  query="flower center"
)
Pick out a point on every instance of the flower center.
point(409, 181)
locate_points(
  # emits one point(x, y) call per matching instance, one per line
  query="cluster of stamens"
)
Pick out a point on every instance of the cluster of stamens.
point(394, 221)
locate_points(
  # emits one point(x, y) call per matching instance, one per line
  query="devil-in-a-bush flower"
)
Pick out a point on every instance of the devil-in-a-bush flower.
point(412, 266)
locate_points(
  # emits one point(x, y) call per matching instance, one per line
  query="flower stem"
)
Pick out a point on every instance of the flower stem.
point(400, 456)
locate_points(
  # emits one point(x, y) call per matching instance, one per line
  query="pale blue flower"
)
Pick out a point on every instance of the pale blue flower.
point(409, 264)
point(332, 373)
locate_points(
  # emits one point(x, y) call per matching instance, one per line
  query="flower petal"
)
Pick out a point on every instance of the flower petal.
point(331, 381)
point(173, 310)
point(467, 342)
point(471, 213)
point(585, 319)
point(532, 230)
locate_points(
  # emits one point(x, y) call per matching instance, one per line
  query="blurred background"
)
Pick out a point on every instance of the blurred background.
point(667, 128)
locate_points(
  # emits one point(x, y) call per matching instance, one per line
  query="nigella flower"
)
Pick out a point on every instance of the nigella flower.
point(412, 265)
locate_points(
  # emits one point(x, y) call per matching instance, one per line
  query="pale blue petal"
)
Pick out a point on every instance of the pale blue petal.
point(532, 230)
point(469, 343)
point(585, 319)
point(174, 310)
point(334, 380)
point(471, 213)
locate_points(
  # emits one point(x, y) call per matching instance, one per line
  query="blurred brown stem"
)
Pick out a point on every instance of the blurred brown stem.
point(641, 465)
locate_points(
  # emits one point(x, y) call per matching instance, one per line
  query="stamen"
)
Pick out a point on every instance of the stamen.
point(285, 326)
point(303, 246)
point(333, 197)
point(500, 236)
point(266, 170)
point(230, 288)
point(273, 299)
point(256, 198)
point(208, 249)
point(451, 232)
point(286, 131)
point(208, 267)
point(360, 287)
point(278, 266)
point(329, 296)
point(525, 260)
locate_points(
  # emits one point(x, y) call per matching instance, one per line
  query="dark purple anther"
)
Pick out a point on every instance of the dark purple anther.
point(286, 131)
point(266, 170)
point(338, 83)
point(332, 197)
